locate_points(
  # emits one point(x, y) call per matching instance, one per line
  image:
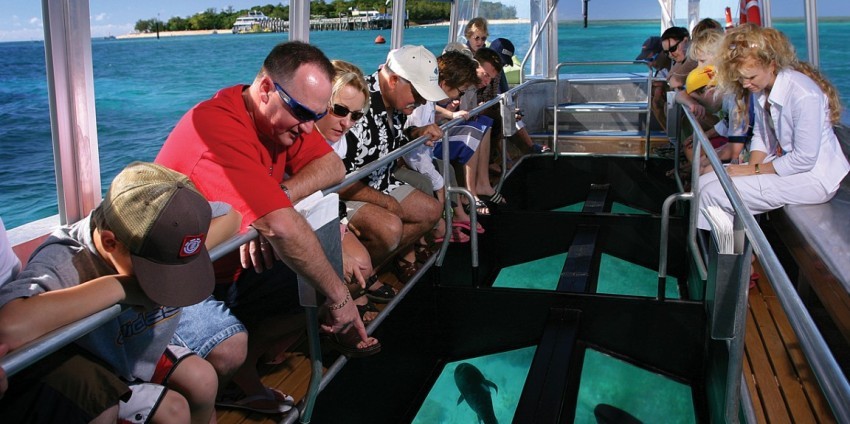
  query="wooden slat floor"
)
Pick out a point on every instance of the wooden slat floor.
point(292, 375)
point(783, 387)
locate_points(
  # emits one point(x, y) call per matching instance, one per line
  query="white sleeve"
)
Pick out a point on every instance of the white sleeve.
point(419, 160)
point(421, 116)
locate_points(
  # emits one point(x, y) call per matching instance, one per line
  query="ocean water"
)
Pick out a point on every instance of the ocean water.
point(143, 87)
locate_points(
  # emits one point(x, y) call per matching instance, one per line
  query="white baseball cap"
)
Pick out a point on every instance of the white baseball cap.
point(419, 66)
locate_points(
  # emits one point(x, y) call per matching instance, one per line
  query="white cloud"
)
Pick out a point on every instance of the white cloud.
point(110, 29)
point(100, 16)
point(23, 34)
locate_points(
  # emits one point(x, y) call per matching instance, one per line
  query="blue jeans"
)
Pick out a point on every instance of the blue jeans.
point(204, 325)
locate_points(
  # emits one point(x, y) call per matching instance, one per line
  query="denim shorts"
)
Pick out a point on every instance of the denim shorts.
point(204, 325)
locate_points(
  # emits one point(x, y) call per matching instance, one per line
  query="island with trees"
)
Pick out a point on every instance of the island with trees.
point(418, 12)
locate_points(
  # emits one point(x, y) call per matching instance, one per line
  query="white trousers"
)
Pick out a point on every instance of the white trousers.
point(762, 193)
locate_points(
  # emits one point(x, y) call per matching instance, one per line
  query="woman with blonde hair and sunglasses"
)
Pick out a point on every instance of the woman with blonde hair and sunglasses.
point(349, 101)
point(795, 157)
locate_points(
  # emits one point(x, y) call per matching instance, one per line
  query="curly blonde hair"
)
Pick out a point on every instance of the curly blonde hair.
point(348, 74)
point(706, 43)
point(766, 46)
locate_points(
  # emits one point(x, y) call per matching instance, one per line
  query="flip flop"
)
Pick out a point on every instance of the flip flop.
point(333, 341)
point(494, 199)
point(251, 403)
point(466, 225)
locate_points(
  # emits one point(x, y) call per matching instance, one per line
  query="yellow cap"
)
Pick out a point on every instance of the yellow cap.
point(699, 78)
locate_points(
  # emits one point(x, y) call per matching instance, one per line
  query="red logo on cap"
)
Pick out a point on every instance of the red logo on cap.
point(192, 245)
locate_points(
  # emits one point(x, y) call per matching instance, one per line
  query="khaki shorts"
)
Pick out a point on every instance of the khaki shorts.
point(399, 194)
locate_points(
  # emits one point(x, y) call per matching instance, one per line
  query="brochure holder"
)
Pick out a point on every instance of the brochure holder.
point(726, 286)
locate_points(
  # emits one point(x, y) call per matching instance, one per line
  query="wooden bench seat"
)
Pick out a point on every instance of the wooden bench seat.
point(818, 238)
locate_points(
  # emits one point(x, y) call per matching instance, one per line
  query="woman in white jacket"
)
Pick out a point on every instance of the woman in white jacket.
point(795, 156)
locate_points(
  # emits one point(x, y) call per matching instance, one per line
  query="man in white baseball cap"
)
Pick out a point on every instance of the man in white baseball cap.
point(418, 66)
point(390, 214)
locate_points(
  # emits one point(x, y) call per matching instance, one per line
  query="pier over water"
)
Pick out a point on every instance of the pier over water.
point(345, 23)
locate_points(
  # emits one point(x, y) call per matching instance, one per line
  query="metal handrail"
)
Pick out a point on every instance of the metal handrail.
point(649, 80)
point(829, 375)
point(534, 41)
point(34, 350)
point(31, 352)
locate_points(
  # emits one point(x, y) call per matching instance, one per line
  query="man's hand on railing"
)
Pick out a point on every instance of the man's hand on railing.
point(432, 131)
point(258, 254)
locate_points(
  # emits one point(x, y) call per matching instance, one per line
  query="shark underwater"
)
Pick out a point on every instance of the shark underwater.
point(475, 390)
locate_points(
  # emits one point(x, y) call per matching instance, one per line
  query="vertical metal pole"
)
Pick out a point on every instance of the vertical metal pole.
point(812, 32)
point(555, 112)
point(766, 15)
point(453, 20)
point(398, 23)
point(648, 110)
point(584, 11)
point(299, 20)
point(70, 90)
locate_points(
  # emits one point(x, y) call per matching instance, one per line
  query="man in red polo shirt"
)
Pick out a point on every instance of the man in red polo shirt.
point(254, 148)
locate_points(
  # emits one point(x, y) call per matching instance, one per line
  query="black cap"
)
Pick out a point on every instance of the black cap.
point(650, 48)
point(505, 49)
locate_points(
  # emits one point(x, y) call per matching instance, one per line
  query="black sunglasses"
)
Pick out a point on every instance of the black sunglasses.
point(673, 47)
point(301, 112)
point(341, 111)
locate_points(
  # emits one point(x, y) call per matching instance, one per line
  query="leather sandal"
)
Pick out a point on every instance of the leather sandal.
point(383, 294)
point(405, 270)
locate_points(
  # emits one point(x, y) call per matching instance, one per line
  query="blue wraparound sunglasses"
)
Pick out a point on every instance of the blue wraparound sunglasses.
point(301, 112)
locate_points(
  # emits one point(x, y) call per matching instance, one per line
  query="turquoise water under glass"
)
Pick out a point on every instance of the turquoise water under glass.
point(646, 395)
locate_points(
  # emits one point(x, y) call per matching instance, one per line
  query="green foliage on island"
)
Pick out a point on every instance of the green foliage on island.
point(420, 11)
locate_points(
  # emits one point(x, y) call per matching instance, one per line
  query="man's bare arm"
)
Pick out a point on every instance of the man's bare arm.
point(363, 193)
point(296, 244)
point(319, 174)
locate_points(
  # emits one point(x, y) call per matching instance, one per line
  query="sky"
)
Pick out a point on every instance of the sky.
point(21, 19)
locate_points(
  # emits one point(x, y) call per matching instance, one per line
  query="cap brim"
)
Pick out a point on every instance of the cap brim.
point(430, 92)
point(176, 285)
point(645, 55)
point(506, 60)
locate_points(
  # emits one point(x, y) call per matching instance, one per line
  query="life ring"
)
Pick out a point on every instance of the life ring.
point(750, 12)
point(729, 23)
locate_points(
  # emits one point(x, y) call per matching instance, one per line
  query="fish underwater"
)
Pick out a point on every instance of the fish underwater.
point(475, 390)
point(607, 414)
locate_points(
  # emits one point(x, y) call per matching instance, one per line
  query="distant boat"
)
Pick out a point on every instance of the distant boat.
point(250, 22)
point(109, 37)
